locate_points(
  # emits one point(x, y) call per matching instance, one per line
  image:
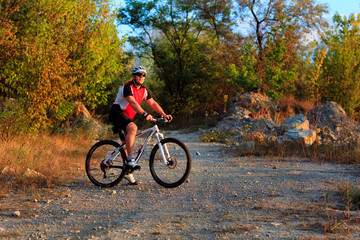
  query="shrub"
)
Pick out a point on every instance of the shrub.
point(214, 136)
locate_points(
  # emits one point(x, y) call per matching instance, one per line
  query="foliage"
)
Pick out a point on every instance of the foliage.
point(184, 48)
point(273, 72)
point(303, 15)
point(245, 76)
point(277, 29)
point(312, 83)
point(340, 72)
point(214, 136)
point(279, 72)
point(56, 52)
point(13, 119)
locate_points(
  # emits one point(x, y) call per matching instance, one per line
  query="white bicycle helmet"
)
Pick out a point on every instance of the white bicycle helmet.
point(138, 69)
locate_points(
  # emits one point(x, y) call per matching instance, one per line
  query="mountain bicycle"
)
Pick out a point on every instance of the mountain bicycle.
point(169, 161)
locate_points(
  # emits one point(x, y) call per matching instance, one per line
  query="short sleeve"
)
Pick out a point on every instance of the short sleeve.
point(127, 90)
point(148, 95)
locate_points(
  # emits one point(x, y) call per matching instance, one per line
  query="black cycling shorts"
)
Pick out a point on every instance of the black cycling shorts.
point(118, 118)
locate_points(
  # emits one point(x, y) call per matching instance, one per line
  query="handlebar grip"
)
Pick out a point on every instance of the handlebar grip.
point(160, 119)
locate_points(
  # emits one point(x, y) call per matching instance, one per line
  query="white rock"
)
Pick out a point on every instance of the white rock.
point(7, 170)
point(32, 173)
point(16, 213)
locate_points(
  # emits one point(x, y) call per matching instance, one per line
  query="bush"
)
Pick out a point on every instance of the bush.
point(13, 119)
point(214, 136)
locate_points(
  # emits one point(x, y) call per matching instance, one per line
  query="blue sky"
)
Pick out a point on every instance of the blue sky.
point(343, 7)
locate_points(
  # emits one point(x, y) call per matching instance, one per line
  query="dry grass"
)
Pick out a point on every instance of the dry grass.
point(338, 154)
point(350, 195)
point(40, 161)
point(289, 106)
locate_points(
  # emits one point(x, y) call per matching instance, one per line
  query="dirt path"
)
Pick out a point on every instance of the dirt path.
point(226, 197)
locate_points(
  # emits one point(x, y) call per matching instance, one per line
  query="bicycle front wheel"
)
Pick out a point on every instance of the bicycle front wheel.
point(176, 171)
point(113, 172)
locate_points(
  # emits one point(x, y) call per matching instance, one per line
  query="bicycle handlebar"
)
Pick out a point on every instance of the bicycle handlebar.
point(159, 119)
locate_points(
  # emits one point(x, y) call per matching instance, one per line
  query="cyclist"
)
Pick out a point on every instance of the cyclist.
point(126, 105)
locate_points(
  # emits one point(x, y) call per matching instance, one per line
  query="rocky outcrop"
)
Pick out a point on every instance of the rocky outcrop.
point(333, 125)
point(254, 117)
point(250, 112)
point(255, 106)
point(81, 118)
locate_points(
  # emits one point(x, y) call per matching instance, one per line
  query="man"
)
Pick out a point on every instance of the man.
point(127, 104)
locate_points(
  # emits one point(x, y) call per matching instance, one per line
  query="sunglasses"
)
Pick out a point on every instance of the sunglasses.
point(140, 74)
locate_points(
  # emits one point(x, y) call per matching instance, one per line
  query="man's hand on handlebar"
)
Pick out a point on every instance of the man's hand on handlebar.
point(168, 117)
point(149, 117)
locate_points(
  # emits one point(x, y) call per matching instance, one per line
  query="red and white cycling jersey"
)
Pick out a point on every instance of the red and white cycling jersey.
point(129, 89)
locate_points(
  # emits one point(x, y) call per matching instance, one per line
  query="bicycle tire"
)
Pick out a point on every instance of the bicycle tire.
point(100, 175)
point(176, 172)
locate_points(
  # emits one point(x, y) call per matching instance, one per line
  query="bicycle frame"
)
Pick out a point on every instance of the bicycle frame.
point(153, 131)
point(159, 136)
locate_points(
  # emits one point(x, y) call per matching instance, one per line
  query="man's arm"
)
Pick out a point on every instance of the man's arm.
point(136, 106)
point(156, 107)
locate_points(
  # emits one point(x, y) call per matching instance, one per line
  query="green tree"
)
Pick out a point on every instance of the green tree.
point(184, 49)
point(63, 51)
point(340, 73)
point(265, 16)
point(276, 33)
point(244, 74)
point(279, 72)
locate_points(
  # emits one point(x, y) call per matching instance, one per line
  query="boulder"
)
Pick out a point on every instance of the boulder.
point(330, 114)
point(333, 124)
point(80, 113)
point(81, 117)
point(8, 171)
point(306, 138)
point(246, 146)
point(248, 113)
point(298, 122)
point(297, 129)
point(258, 106)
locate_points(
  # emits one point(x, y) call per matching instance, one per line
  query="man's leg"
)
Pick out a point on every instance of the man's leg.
point(131, 129)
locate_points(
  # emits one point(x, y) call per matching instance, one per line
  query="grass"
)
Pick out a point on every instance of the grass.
point(350, 195)
point(342, 221)
point(40, 161)
point(289, 106)
point(323, 152)
point(214, 136)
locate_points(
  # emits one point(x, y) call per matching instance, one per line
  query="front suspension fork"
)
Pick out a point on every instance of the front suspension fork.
point(163, 148)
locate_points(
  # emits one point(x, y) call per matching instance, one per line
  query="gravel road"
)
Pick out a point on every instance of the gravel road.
point(225, 197)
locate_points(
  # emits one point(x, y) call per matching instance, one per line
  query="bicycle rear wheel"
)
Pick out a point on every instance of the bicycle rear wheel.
point(99, 173)
point(178, 168)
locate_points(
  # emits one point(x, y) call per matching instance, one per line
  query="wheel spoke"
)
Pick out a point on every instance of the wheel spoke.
point(176, 171)
point(98, 173)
